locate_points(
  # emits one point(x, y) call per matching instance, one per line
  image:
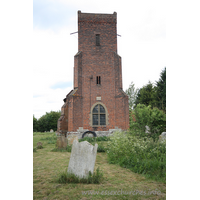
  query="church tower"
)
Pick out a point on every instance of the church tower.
point(97, 102)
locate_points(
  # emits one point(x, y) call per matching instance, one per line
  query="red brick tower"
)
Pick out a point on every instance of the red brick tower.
point(97, 102)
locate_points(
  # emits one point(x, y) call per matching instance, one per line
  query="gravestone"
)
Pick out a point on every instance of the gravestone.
point(82, 159)
point(147, 129)
point(71, 138)
point(162, 137)
point(61, 142)
point(51, 131)
point(39, 145)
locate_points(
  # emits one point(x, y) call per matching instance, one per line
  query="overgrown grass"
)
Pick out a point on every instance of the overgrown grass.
point(99, 140)
point(94, 178)
point(140, 154)
point(101, 148)
point(50, 139)
point(47, 165)
point(67, 149)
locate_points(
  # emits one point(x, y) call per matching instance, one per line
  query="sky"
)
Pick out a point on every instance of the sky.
point(142, 45)
point(37, 59)
point(37, 55)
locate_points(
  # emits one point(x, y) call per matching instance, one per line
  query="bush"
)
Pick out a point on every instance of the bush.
point(141, 154)
point(94, 178)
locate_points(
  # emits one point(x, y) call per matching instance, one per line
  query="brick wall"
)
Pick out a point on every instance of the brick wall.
point(92, 61)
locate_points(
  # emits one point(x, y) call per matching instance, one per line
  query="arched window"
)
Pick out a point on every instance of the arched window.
point(98, 115)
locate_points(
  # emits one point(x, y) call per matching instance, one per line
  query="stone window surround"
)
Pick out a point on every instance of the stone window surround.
point(91, 117)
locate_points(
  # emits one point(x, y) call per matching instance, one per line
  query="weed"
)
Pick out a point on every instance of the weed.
point(101, 148)
point(40, 147)
point(35, 149)
point(141, 155)
point(95, 139)
point(94, 178)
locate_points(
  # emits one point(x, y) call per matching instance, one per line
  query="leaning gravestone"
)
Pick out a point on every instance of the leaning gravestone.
point(82, 159)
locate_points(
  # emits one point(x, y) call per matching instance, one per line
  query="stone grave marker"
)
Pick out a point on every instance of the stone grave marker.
point(82, 159)
point(51, 131)
point(61, 142)
point(162, 137)
point(39, 145)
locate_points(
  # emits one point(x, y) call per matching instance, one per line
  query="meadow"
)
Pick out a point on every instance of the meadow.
point(133, 168)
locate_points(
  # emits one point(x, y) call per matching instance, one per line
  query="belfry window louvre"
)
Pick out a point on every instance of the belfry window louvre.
point(98, 80)
point(97, 39)
point(98, 115)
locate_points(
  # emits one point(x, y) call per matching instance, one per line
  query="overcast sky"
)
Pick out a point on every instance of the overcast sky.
point(142, 45)
point(143, 51)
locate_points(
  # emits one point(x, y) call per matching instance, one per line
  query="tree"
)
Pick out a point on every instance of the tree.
point(154, 118)
point(35, 124)
point(146, 95)
point(52, 119)
point(47, 121)
point(161, 91)
point(132, 94)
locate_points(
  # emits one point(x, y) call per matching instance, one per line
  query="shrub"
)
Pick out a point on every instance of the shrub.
point(94, 178)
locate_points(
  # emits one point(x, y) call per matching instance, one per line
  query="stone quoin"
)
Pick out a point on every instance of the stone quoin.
point(97, 102)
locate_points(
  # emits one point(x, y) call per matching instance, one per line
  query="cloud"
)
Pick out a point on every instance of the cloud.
point(61, 85)
point(36, 96)
point(49, 100)
point(142, 46)
point(49, 14)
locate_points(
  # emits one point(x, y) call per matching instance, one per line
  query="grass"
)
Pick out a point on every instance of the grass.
point(94, 178)
point(47, 166)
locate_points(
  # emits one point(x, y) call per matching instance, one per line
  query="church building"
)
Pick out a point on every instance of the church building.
point(97, 102)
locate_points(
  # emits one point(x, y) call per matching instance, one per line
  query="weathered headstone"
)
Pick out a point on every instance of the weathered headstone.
point(61, 142)
point(39, 145)
point(82, 159)
point(147, 129)
point(51, 131)
point(71, 138)
point(162, 137)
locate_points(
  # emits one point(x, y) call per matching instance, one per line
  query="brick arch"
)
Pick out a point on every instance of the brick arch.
point(91, 117)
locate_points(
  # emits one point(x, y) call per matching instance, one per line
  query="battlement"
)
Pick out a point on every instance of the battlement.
point(97, 18)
